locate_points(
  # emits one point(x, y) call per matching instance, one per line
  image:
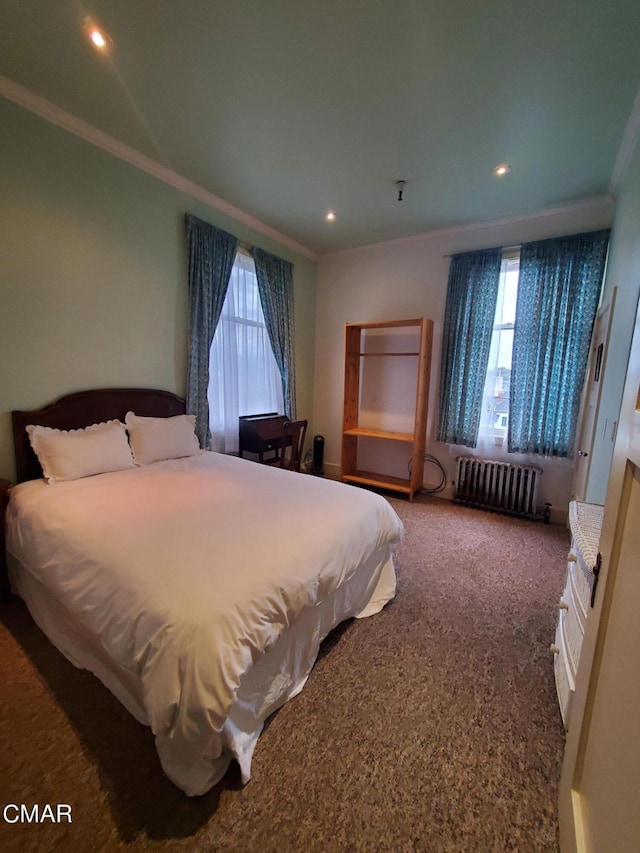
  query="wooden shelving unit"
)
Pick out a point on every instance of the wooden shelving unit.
point(420, 360)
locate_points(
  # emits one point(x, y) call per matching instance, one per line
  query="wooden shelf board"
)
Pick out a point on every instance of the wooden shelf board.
point(382, 354)
point(380, 481)
point(380, 433)
point(383, 324)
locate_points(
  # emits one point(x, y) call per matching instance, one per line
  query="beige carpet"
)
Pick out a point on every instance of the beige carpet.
point(430, 727)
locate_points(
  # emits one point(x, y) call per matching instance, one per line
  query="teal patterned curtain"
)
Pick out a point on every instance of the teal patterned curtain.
point(275, 284)
point(558, 293)
point(469, 315)
point(211, 255)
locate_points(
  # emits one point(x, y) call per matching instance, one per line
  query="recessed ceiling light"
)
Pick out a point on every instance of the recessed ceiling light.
point(97, 36)
point(502, 169)
point(330, 216)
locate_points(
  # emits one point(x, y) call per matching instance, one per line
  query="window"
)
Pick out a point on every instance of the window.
point(515, 342)
point(495, 397)
point(243, 375)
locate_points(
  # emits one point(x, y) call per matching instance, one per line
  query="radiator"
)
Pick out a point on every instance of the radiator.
point(503, 486)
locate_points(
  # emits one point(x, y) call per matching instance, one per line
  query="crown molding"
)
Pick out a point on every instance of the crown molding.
point(27, 99)
point(627, 147)
point(602, 202)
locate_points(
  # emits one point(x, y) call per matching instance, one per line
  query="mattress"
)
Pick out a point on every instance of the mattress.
point(198, 590)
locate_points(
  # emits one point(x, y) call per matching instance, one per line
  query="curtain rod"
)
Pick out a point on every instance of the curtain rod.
point(504, 249)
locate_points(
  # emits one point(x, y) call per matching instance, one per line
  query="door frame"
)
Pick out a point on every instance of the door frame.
point(626, 456)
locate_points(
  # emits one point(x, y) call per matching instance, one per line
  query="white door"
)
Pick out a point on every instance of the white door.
point(600, 783)
point(586, 436)
point(610, 777)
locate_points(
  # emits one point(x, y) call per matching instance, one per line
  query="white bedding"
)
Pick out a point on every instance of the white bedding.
point(199, 590)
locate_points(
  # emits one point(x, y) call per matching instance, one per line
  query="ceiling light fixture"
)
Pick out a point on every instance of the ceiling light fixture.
point(98, 39)
point(330, 216)
point(97, 36)
point(501, 170)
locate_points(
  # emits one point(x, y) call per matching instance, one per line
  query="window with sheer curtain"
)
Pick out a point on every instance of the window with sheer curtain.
point(495, 398)
point(243, 375)
point(519, 325)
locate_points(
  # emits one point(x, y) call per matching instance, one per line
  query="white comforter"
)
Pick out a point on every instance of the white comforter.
point(187, 572)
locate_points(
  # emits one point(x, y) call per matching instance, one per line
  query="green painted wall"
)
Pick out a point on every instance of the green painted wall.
point(623, 273)
point(93, 274)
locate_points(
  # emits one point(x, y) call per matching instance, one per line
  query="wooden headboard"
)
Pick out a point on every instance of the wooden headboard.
point(74, 411)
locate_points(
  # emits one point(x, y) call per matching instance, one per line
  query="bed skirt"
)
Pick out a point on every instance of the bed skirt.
point(276, 677)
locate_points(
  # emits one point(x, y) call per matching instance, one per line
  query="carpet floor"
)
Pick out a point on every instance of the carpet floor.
point(433, 726)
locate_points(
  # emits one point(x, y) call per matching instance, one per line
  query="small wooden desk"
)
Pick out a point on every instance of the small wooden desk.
point(261, 434)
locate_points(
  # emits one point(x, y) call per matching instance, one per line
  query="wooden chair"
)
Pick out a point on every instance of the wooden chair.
point(293, 436)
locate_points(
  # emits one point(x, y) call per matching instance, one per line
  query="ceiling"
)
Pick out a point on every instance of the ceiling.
point(290, 108)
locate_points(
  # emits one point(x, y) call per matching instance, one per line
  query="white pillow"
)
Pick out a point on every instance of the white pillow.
point(155, 439)
point(74, 453)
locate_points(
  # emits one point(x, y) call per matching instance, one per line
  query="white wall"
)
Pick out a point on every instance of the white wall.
point(408, 278)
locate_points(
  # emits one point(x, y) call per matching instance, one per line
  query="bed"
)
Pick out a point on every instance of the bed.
point(197, 589)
